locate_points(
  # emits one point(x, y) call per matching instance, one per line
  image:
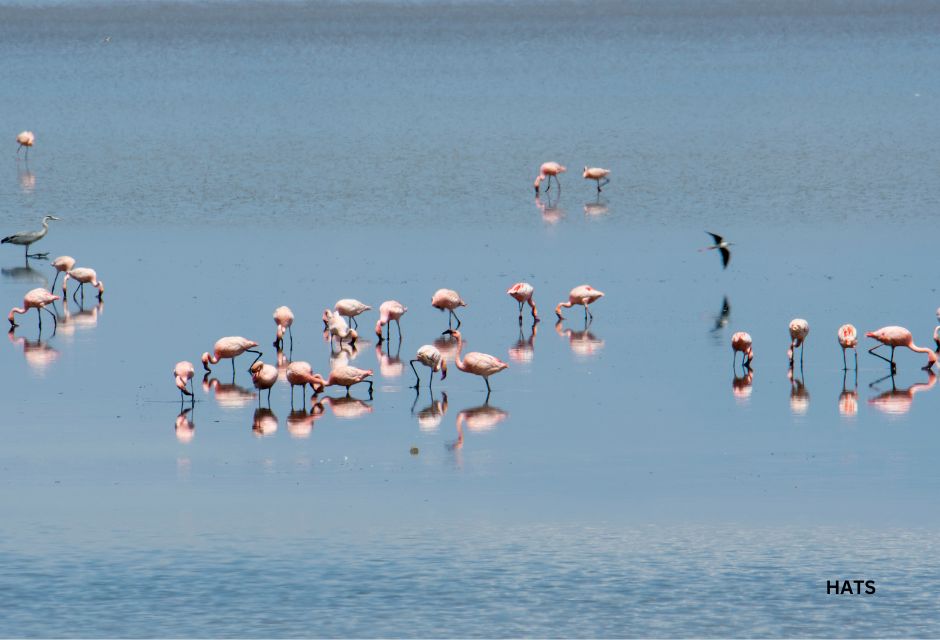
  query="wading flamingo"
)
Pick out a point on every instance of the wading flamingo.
point(522, 293)
point(350, 308)
point(25, 139)
point(263, 376)
point(283, 318)
point(346, 376)
point(36, 299)
point(429, 356)
point(895, 337)
point(388, 311)
point(585, 295)
point(848, 339)
point(723, 248)
point(300, 373)
point(27, 238)
point(547, 171)
point(596, 174)
point(229, 347)
point(338, 328)
point(936, 332)
point(479, 364)
point(448, 299)
point(83, 276)
point(61, 265)
point(799, 329)
point(184, 372)
point(741, 341)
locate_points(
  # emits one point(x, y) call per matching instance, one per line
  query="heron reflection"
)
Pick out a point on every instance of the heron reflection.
point(264, 422)
point(26, 274)
point(477, 419)
point(429, 418)
point(37, 353)
point(897, 402)
point(523, 349)
point(583, 343)
point(185, 429)
point(228, 394)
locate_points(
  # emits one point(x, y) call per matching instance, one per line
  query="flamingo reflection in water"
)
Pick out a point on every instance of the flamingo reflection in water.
point(390, 366)
point(551, 212)
point(300, 422)
point(228, 395)
point(596, 208)
point(523, 349)
point(264, 422)
point(848, 398)
point(741, 386)
point(184, 428)
point(583, 343)
point(347, 407)
point(83, 319)
point(799, 395)
point(429, 418)
point(37, 353)
point(897, 402)
point(478, 419)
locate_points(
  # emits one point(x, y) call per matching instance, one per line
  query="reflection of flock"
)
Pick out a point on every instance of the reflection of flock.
point(892, 402)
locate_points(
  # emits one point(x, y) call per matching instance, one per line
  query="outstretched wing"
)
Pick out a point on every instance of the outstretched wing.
point(725, 257)
point(718, 239)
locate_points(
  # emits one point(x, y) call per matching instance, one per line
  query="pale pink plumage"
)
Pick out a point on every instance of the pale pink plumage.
point(388, 311)
point(741, 341)
point(82, 275)
point(34, 299)
point(848, 339)
point(183, 372)
point(583, 294)
point(350, 308)
point(522, 292)
point(61, 265)
point(300, 373)
point(283, 318)
point(597, 174)
point(479, 364)
point(895, 337)
point(25, 139)
point(346, 376)
point(448, 300)
point(547, 171)
point(229, 347)
point(799, 329)
point(263, 376)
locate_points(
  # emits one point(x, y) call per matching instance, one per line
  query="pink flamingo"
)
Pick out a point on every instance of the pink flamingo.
point(936, 332)
point(350, 308)
point(184, 372)
point(338, 328)
point(431, 357)
point(84, 276)
point(596, 174)
point(300, 373)
point(585, 295)
point(346, 376)
point(25, 139)
point(741, 341)
point(36, 299)
point(283, 318)
point(229, 347)
point(479, 364)
point(848, 339)
point(61, 265)
point(388, 311)
point(263, 376)
point(799, 329)
point(448, 299)
point(547, 171)
point(522, 293)
point(895, 337)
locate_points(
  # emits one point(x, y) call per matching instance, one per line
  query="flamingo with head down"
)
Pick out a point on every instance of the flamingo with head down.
point(848, 339)
point(229, 347)
point(479, 364)
point(895, 337)
point(583, 294)
point(388, 311)
point(184, 372)
point(547, 171)
point(35, 299)
point(522, 292)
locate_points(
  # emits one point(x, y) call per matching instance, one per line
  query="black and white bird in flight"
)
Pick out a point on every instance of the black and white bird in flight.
point(722, 247)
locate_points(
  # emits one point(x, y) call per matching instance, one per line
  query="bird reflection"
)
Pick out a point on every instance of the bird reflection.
point(390, 366)
point(228, 394)
point(82, 319)
point(300, 423)
point(429, 418)
point(848, 399)
point(741, 385)
point(264, 422)
point(185, 429)
point(583, 343)
point(346, 353)
point(799, 396)
point(551, 212)
point(897, 402)
point(447, 345)
point(25, 274)
point(721, 320)
point(27, 180)
point(283, 362)
point(596, 207)
point(482, 418)
point(348, 408)
point(39, 355)
point(523, 349)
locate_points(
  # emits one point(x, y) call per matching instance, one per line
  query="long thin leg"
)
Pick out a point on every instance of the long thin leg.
point(487, 381)
point(233, 368)
point(845, 365)
point(55, 322)
point(398, 324)
point(417, 384)
point(872, 351)
point(257, 357)
point(54, 280)
point(269, 397)
point(856, 362)
point(370, 389)
point(39, 315)
point(457, 318)
point(549, 183)
point(520, 312)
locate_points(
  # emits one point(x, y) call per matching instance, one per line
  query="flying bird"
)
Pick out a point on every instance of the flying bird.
point(722, 247)
point(721, 320)
point(26, 238)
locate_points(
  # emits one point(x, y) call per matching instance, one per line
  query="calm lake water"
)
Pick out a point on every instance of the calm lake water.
point(216, 160)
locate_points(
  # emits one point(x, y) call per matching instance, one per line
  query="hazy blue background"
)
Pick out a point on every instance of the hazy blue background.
point(213, 161)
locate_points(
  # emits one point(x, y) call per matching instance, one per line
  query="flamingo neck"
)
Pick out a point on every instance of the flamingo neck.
point(457, 359)
point(15, 310)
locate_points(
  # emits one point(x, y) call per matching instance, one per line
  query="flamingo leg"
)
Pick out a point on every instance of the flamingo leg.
point(549, 183)
point(269, 397)
point(520, 311)
point(856, 362)
point(39, 315)
point(417, 384)
point(55, 322)
point(398, 324)
point(54, 280)
point(257, 357)
point(486, 379)
point(845, 365)
point(456, 317)
point(233, 369)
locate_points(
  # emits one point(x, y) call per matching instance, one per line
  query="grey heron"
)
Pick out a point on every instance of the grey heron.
point(26, 238)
